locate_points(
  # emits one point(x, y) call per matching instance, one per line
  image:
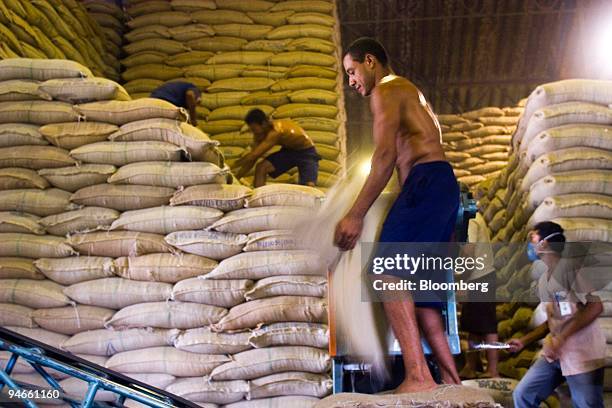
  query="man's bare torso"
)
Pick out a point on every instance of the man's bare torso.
point(418, 139)
point(291, 135)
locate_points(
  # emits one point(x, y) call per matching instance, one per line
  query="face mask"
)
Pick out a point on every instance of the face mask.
point(532, 252)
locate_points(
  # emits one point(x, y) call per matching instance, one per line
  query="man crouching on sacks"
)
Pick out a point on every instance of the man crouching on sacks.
point(297, 150)
point(407, 138)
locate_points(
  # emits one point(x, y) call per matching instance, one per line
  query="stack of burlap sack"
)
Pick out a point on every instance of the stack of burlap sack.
point(57, 29)
point(110, 17)
point(477, 143)
point(115, 248)
point(560, 170)
point(281, 57)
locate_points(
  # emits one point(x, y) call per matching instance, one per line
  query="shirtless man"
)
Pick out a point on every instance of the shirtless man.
point(407, 138)
point(297, 150)
point(183, 94)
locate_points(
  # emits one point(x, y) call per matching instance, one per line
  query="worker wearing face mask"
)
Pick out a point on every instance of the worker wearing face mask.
point(574, 345)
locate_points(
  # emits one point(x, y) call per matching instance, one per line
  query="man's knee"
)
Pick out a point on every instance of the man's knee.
point(264, 167)
point(522, 396)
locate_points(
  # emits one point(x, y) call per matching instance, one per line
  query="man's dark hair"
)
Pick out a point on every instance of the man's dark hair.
point(546, 228)
point(256, 116)
point(365, 45)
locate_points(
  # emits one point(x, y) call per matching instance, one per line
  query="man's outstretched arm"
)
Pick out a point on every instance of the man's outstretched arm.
point(386, 113)
point(191, 102)
point(246, 162)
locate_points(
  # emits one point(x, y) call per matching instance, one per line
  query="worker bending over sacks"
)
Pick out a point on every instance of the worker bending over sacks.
point(407, 138)
point(297, 150)
point(183, 94)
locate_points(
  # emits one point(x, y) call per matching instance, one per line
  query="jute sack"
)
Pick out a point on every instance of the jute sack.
point(21, 90)
point(471, 180)
point(257, 363)
point(68, 271)
point(573, 158)
point(315, 286)
point(122, 153)
point(19, 268)
point(290, 334)
point(291, 383)
point(318, 123)
point(312, 44)
point(257, 219)
point(299, 71)
point(461, 173)
point(304, 84)
point(118, 243)
point(122, 112)
point(256, 5)
point(285, 195)
point(117, 293)
point(456, 157)
point(276, 19)
point(211, 244)
point(273, 310)
point(41, 70)
point(488, 167)
point(463, 127)
point(44, 336)
point(573, 205)
point(571, 182)
point(276, 402)
point(224, 197)
point(328, 152)
point(21, 316)
point(273, 240)
point(167, 268)
point(202, 389)
point(80, 90)
point(145, 57)
point(221, 17)
point(234, 139)
point(20, 134)
point(238, 84)
point(162, 45)
point(37, 294)
point(486, 149)
point(563, 137)
point(35, 157)
point(241, 57)
point(215, 72)
point(586, 229)
point(217, 44)
point(37, 112)
point(139, 8)
point(165, 360)
point(488, 131)
point(156, 380)
point(33, 246)
point(20, 223)
point(166, 18)
point(291, 58)
point(191, 32)
point(442, 396)
point(166, 315)
point(142, 85)
point(221, 126)
point(82, 220)
point(75, 388)
point(263, 264)
point(192, 139)
point(314, 96)
point(123, 197)
point(309, 17)
point(72, 319)
point(73, 135)
point(76, 177)
point(500, 121)
point(483, 112)
point(237, 112)
point(164, 220)
point(205, 341)
point(311, 6)
point(274, 99)
point(153, 71)
point(501, 156)
point(299, 31)
point(267, 45)
point(106, 342)
point(221, 99)
point(222, 293)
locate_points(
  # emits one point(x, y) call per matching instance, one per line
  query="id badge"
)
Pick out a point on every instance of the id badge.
point(565, 307)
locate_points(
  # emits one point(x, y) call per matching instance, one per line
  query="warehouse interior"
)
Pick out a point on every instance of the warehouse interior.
point(177, 179)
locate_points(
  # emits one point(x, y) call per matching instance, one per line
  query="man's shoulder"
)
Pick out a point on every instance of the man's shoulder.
point(396, 87)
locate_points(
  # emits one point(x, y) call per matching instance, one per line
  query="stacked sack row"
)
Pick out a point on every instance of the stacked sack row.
point(133, 295)
point(58, 30)
point(560, 170)
point(477, 143)
point(110, 17)
point(281, 57)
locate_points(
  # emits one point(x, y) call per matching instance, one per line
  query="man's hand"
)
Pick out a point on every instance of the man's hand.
point(552, 347)
point(516, 345)
point(347, 232)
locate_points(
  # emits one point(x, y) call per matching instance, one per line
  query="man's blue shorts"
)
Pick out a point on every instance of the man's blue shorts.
point(306, 160)
point(425, 211)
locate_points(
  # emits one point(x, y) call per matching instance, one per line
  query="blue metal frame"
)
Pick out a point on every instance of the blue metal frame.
point(40, 357)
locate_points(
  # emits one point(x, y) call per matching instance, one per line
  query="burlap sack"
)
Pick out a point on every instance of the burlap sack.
point(289, 401)
point(291, 58)
point(222, 293)
point(20, 134)
point(167, 268)
point(72, 319)
point(37, 112)
point(216, 392)
point(41, 70)
point(35, 157)
point(572, 182)
point(285, 195)
point(586, 229)
point(73, 135)
point(273, 240)
point(221, 17)
point(210, 244)
point(119, 243)
point(573, 205)
point(122, 112)
point(220, 196)
point(19, 268)
point(122, 198)
point(33, 246)
point(274, 310)
point(567, 136)
point(290, 383)
point(37, 294)
point(74, 178)
point(290, 334)
point(251, 220)
point(315, 286)
point(205, 341)
point(241, 84)
point(163, 220)
point(117, 293)
point(21, 316)
point(83, 220)
point(217, 44)
point(20, 223)
point(68, 271)
point(106, 342)
point(80, 90)
point(37, 202)
point(122, 153)
point(21, 90)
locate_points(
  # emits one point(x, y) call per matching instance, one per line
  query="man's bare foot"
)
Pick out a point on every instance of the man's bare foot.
point(407, 387)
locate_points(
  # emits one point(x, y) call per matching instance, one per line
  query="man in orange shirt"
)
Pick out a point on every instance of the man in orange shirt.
point(297, 150)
